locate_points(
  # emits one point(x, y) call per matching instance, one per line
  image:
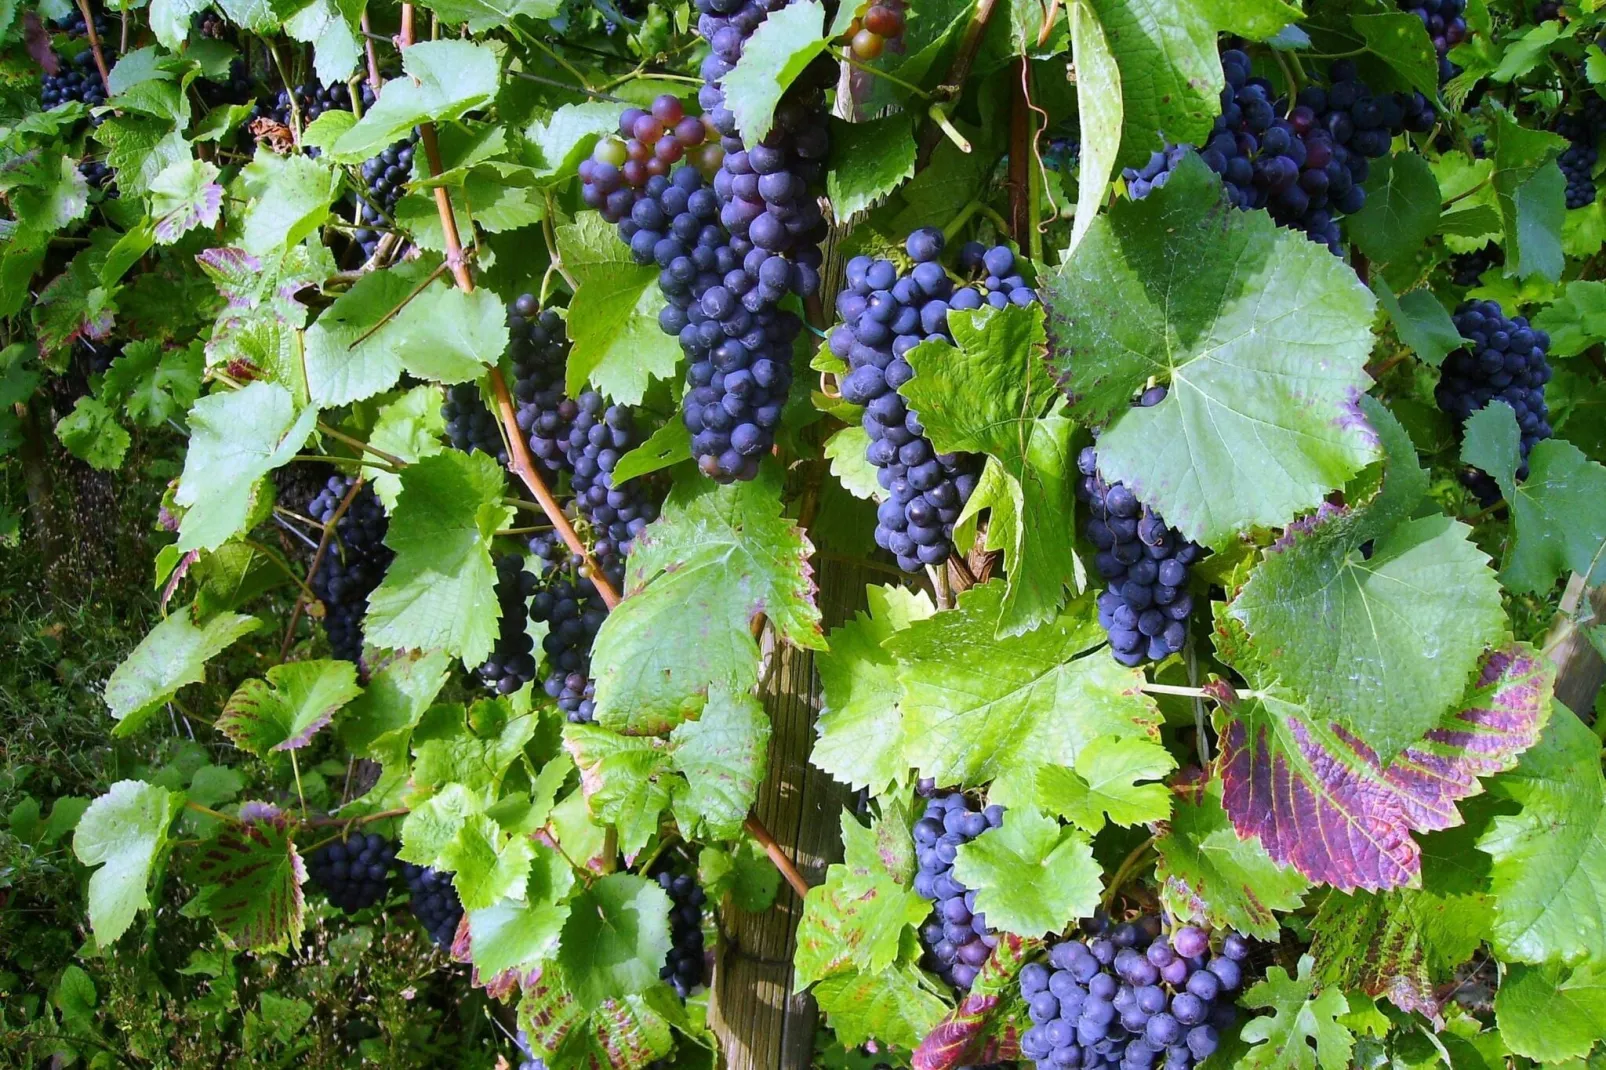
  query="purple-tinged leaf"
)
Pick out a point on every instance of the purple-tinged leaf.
point(1318, 799)
point(256, 875)
point(287, 709)
point(619, 1035)
point(971, 1033)
point(236, 273)
point(548, 1013)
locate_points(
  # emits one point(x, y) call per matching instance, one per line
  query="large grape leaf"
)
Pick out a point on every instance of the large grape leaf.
point(520, 933)
point(254, 874)
point(1530, 194)
point(487, 863)
point(1400, 944)
point(123, 832)
point(722, 755)
point(717, 557)
point(1402, 207)
point(991, 394)
point(1170, 72)
point(446, 80)
point(173, 654)
point(1209, 874)
point(1261, 335)
point(618, 1032)
point(285, 710)
point(772, 58)
point(615, 939)
point(868, 161)
point(289, 199)
point(977, 705)
point(860, 725)
point(856, 920)
point(92, 434)
point(395, 699)
point(893, 1006)
point(236, 438)
point(1549, 879)
point(1559, 511)
point(627, 780)
point(613, 319)
point(439, 592)
point(1031, 875)
point(1551, 1013)
point(1318, 798)
point(1302, 1031)
point(1104, 781)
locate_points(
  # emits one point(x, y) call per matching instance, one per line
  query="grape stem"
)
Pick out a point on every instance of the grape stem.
point(1192, 692)
point(940, 117)
point(396, 311)
point(94, 46)
point(1129, 865)
point(362, 447)
point(847, 58)
point(373, 58)
point(596, 94)
point(208, 811)
point(755, 828)
point(975, 31)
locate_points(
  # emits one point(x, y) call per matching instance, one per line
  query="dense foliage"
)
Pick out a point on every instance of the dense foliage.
point(1172, 429)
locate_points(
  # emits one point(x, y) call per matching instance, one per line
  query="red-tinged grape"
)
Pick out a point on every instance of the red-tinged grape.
point(668, 110)
point(647, 130)
point(656, 167)
point(668, 149)
point(867, 45)
point(883, 21)
point(627, 121)
point(690, 132)
point(637, 150)
point(635, 173)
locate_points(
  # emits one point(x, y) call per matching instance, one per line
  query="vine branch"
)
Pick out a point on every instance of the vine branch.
point(755, 828)
point(94, 45)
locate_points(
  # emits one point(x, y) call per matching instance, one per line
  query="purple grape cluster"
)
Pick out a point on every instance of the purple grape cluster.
point(98, 174)
point(1303, 165)
point(352, 566)
point(884, 316)
point(353, 873)
point(1582, 129)
point(538, 346)
point(650, 142)
point(234, 89)
point(435, 902)
point(683, 966)
point(313, 99)
point(1132, 999)
point(956, 938)
point(1145, 605)
point(511, 664)
point(1505, 360)
point(1466, 269)
point(75, 26)
point(1446, 24)
point(573, 612)
point(77, 79)
point(766, 197)
point(723, 310)
point(386, 177)
point(470, 426)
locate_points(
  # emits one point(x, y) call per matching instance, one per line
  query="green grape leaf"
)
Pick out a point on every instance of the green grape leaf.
point(432, 825)
point(990, 393)
point(868, 161)
point(410, 428)
point(976, 705)
point(446, 80)
point(697, 576)
point(289, 199)
point(745, 872)
point(1530, 196)
point(1420, 320)
point(154, 385)
point(138, 148)
point(1549, 878)
point(615, 938)
point(183, 197)
point(1208, 874)
point(521, 933)
point(324, 24)
point(1402, 200)
point(860, 727)
point(1559, 511)
point(772, 58)
point(284, 711)
point(722, 754)
point(620, 1032)
point(613, 319)
point(565, 137)
point(668, 445)
point(1105, 782)
point(173, 654)
point(487, 865)
point(439, 592)
point(845, 450)
point(92, 434)
point(1302, 1031)
point(255, 876)
point(1030, 875)
point(1401, 39)
point(1261, 419)
point(1551, 1013)
point(236, 438)
point(856, 919)
point(393, 702)
point(894, 1006)
point(482, 15)
point(627, 779)
point(123, 833)
point(1577, 320)
point(57, 197)
point(1100, 113)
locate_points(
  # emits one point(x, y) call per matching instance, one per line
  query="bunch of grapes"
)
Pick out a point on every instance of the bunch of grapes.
point(600, 434)
point(314, 99)
point(511, 664)
point(1466, 269)
point(1446, 24)
point(1064, 151)
point(434, 901)
point(97, 173)
point(235, 89)
point(75, 26)
point(353, 873)
point(1131, 997)
point(573, 612)
point(722, 309)
point(1583, 130)
point(210, 24)
point(1146, 604)
point(386, 177)
point(884, 316)
point(615, 177)
point(683, 966)
point(1505, 360)
point(77, 79)
point(956, 938)
point(1305, 169)
point(470, 425)
point(538, 346)
point(1547, 10)
point(353, 564)
point(874, 24)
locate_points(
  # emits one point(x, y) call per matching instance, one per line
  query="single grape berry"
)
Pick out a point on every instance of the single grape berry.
point(353, 873)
